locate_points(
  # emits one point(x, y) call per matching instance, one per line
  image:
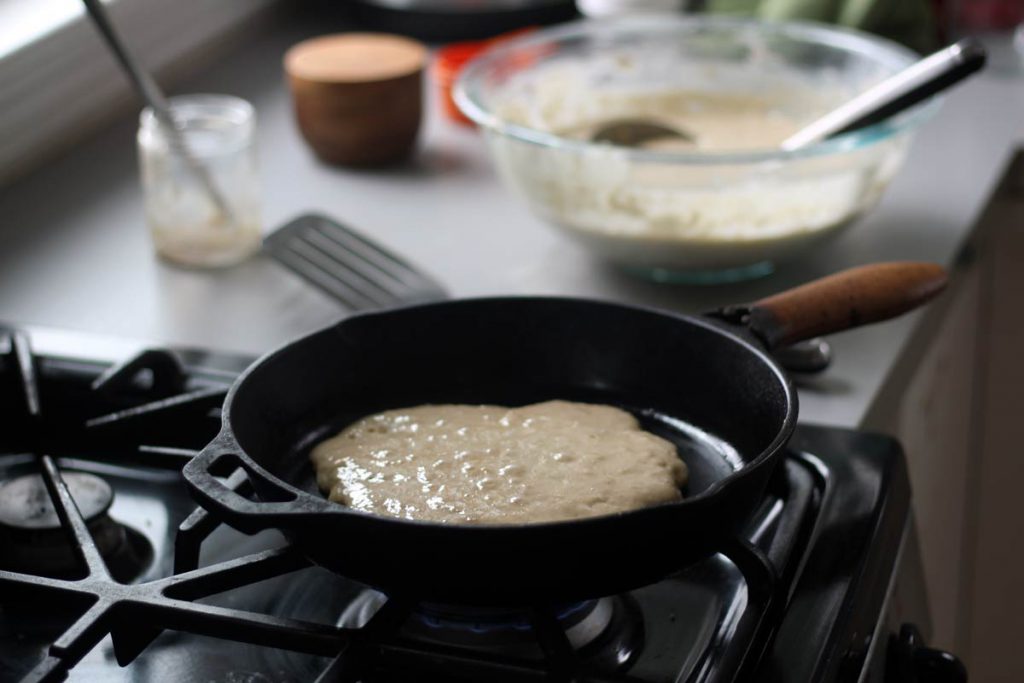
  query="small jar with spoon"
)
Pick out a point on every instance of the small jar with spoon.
point(198, 164)
point(190, 225)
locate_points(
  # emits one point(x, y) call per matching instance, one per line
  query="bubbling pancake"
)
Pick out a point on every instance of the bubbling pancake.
point(485, 464)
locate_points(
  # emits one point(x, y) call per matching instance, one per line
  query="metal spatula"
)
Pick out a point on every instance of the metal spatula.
point(349, 267)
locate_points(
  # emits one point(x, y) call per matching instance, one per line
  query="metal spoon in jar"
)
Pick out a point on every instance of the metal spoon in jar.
point(154, 97)
point(897, 93)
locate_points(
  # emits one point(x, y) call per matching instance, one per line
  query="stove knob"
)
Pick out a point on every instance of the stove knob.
point(911, 661)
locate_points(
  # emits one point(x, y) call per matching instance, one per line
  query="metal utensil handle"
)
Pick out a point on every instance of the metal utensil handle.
point(805, 357)
point(850, 298)
point(154, 97)
point(917, 82)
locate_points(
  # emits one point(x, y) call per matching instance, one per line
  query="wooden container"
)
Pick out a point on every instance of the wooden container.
point(358, 97)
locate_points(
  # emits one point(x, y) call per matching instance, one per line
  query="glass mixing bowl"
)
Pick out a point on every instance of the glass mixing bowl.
point(687, 214)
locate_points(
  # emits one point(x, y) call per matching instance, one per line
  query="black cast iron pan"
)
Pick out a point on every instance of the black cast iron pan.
point(706, 383)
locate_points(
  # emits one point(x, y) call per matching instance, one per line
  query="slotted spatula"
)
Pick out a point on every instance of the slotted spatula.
point(349, 267)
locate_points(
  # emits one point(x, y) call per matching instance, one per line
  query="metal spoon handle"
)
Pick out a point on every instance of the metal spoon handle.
point(917, 82)
point(154, 97)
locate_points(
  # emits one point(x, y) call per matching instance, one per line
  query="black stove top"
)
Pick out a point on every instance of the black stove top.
point(158, 590)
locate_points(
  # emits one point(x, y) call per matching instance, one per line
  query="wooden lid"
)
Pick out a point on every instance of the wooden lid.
point(355, 58)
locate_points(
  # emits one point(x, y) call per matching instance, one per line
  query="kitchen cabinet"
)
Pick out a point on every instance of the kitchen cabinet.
point(958, 410)
point(933, 421)
point(993, 606)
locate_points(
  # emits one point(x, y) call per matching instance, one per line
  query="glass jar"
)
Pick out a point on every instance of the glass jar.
point(186, 224)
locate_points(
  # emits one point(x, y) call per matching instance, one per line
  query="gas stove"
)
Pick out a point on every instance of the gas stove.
point(132, 581)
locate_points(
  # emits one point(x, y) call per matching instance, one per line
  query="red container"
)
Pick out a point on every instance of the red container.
point(447, 66)
point(445, 71)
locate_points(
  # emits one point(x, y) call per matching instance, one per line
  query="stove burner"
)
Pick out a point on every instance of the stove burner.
point(25, 503)
point(582, 622)
point(607, 632)
point(33, 539)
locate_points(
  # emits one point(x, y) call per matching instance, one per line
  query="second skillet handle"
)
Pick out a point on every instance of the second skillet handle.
point(850, 298)
point(229, 506)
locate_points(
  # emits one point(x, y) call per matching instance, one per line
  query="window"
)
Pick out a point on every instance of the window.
point(58, 81)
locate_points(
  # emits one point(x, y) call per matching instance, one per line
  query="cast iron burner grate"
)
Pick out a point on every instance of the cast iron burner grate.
point(157, 416)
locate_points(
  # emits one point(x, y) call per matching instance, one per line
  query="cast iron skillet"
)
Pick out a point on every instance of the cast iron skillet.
point(706, 383)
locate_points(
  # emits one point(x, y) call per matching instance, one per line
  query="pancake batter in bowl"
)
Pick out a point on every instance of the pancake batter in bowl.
point(725, 204)
point(715, 121)
point(495, 465)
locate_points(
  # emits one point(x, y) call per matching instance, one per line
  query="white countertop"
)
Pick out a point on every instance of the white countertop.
point(74, 252)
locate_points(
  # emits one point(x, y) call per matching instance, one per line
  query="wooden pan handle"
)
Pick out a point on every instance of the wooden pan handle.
point(850, 298)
